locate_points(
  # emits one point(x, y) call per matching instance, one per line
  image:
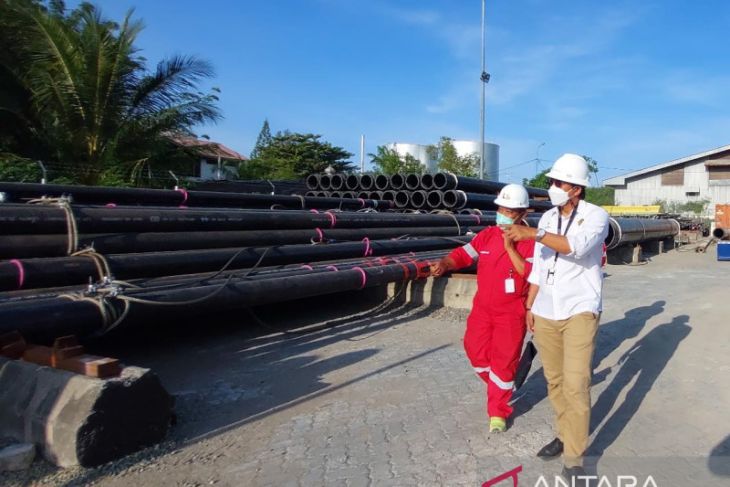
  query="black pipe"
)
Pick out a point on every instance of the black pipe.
point(634, 230)
point(419, 199)
point(220, 277)
point(336, 194)
point(363, 195)
point(721, 233)
point(444, 181)
point(311, 194)
point(435, 200)
point(402, 199)
point(382, 182)
point(323, 194)
point(338, 181)
point(17, 192)
point(352, 182)
point(59, 271)
point(28, 246)
point(397, 181)
point(389, 195)
point(375, 195)
point(427, 181)
point(457, 199)
point(349, 194)
point(366, 182)
point(53, 317)
point(313, 182)
point(325, 182)
point(413, 181)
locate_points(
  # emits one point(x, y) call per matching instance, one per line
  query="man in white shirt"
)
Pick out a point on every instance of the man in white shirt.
point(564, 303)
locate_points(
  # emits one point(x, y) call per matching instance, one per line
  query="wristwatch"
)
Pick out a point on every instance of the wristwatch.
point(540, 234)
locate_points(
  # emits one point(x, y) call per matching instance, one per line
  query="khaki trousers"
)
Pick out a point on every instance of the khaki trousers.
point(566, 351)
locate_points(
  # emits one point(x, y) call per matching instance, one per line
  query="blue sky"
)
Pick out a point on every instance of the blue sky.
point(629, 83)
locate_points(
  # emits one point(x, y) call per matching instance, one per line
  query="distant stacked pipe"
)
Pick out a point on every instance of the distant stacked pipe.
point(423, 192)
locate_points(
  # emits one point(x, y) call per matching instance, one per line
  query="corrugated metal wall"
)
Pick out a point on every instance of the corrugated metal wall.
point(696, 185)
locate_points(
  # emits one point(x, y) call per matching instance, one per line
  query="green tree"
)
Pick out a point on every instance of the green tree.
point(295, 155)
point(263, 140)
point(449, 160)
point(592, 168)
point(600, 196)
point(389, 161)
point(540, 180)
point(86, 98)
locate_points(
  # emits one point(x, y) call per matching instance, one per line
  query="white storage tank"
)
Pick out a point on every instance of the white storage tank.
point(491, 155)
point(463, 148)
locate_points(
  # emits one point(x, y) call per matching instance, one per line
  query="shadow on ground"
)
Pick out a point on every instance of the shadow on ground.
point(610, 337)
point(641, 365)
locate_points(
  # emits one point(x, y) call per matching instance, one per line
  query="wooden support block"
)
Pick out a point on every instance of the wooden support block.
point(92, 366)
point(84, 364)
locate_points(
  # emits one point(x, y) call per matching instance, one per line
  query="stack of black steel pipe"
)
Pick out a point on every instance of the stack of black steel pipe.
point(421, 192)
point(95, 195)
point(35, 230)
point(69, 264)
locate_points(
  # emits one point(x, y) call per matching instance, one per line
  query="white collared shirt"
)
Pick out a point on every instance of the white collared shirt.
point(578, 279)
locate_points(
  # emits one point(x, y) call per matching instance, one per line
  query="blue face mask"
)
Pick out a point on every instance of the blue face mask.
point(504, 220)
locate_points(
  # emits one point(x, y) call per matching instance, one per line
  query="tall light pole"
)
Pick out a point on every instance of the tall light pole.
point(484, 77)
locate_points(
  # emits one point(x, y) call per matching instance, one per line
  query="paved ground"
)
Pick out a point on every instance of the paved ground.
point(389, 399)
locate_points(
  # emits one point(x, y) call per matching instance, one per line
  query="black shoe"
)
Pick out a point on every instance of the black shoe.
point(577, 476)
point(551, 450)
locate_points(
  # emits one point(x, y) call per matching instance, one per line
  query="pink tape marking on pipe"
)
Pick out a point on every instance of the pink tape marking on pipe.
point(333, 267)
point(406, 271)
point(308, 267)
point(21, 272)
point(111, 205)
point(362, 202)
point(333, 218)
point(313, 211)
point(479, 219)
point(319, 234)
point(368, 250)
point(185, 196)
point(363, 275)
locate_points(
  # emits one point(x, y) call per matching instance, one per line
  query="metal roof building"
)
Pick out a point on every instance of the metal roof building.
point(702, 176)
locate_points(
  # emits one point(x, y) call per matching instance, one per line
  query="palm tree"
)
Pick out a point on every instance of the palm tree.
point(90, 102)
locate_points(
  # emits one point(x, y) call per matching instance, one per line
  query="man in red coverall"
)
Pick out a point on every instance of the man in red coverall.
point(495, 328)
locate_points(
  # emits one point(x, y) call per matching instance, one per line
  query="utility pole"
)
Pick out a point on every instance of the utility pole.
point(537, 158)
point(484, 77)
point(362, 154)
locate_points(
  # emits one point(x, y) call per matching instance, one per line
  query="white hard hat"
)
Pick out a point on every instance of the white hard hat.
point(570, 168)
point(513, 196)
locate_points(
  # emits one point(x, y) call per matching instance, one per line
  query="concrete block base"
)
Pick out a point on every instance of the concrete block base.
point(17, 457)
point(79, 420)
point(456, 291)
point(625, 254)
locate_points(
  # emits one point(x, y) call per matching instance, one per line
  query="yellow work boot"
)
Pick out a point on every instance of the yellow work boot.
point(497, 424)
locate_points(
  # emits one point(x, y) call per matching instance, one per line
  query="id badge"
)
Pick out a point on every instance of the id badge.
point(509, 285)
point(550, 277)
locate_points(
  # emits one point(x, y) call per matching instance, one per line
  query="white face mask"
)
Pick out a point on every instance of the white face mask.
point(558, 197)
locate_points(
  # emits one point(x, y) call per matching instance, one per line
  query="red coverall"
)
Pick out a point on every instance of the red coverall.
point(495, 328)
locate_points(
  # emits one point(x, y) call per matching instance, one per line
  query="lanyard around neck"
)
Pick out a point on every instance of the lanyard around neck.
point(567, 227)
